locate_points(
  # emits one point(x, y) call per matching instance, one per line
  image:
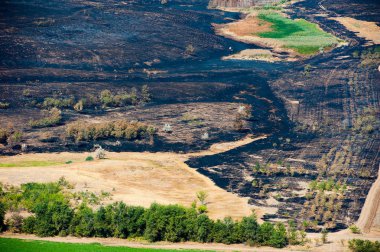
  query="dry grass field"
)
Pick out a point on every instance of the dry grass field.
point(137, 178)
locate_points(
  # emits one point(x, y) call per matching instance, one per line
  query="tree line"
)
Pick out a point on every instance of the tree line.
point(53, 213)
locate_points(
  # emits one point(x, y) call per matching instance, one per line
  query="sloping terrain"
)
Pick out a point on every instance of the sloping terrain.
point(321, 114)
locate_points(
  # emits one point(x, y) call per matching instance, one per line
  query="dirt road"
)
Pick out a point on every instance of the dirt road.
point(369, 220)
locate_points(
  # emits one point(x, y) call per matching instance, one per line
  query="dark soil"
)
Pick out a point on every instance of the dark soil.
point(75, 48)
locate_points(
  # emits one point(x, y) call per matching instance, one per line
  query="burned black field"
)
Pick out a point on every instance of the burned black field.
point(93, 60)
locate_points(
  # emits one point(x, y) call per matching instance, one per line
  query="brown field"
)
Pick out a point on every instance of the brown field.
point(364, 29)
point(137, 178)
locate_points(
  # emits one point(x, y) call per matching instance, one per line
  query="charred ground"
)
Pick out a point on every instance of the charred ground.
point(79, 48)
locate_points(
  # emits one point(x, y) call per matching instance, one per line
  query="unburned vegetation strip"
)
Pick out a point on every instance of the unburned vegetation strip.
point(11, 245)
point(55, 210)
point(302, 36)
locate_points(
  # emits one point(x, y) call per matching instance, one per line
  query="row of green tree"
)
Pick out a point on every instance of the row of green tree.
point(53, 214)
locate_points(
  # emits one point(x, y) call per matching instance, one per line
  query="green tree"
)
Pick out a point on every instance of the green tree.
point(102, 224)
point(145, 94)
point(249, 229)
point(82, 223)
point(265, 233)
point(278, 238)
point(203, 229)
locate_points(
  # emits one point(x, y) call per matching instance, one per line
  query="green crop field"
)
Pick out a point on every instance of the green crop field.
point(302, 36)
point(29, 164)
point(13, 245)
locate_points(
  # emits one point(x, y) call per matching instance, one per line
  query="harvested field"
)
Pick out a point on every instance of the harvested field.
point(132, 177)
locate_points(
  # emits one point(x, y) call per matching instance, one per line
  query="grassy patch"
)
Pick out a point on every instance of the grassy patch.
point(30, 164)
point(12, 245)
point(302, 36)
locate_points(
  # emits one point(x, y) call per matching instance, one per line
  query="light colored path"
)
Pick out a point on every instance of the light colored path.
point(369, 220)
point(337, 242)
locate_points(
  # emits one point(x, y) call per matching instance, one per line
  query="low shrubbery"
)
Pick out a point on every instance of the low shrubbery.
point(130, 130)
point(10, 136)
point(105, 99)
point(354, 229)
point(50, 102)
point(53, 213)
point(367, 122)
point(4, 105)
point(357, 245)
point(54, 118)
point(327, 185)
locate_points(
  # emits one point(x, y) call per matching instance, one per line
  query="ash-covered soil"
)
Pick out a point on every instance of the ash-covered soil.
point(75, 48)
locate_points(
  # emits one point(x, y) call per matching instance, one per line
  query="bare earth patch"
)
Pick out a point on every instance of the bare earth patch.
point(254, 54)
point(135, 178)
point(364, 29)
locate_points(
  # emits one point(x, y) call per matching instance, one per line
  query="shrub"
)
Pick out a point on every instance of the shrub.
point(53, 119)
point(49, 103)
point(89, 158)
point(14, 223)
point(15, 138)
point(354, 229)
point(29, 225)
point(145, 94)
point(4, 105)
point(202, 196)
point(324, 236)
point(130, 130)
point(357, 245)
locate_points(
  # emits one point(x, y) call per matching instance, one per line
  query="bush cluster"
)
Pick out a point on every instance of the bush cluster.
point(130, 130)
point(105, 99)
point(10, 136)
point(54, 118)
point(4, 105)
point(50, 102)
point(52, 214)
point(328, 185)
point(357, 245)
point(367, 122)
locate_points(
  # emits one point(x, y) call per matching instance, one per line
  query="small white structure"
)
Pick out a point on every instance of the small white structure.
point(167, 128)
point(205, 136)
point(100, 153)
point(24, 147)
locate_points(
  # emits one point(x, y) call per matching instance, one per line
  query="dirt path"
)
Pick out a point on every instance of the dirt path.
point(337, 242)
point(134, 177)
point(369, 220)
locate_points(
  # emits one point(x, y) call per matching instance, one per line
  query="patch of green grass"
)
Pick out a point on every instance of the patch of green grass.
point(302, 36)
point(30, 164)
point(13, 245)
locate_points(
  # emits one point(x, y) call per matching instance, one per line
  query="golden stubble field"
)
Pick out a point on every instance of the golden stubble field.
point(136, 178)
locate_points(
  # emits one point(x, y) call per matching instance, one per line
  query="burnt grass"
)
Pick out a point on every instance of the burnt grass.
point(76, 48)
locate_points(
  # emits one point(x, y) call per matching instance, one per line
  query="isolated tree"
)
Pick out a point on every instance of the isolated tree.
point(324, 236)
point(145, 94)
point(202, 196)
